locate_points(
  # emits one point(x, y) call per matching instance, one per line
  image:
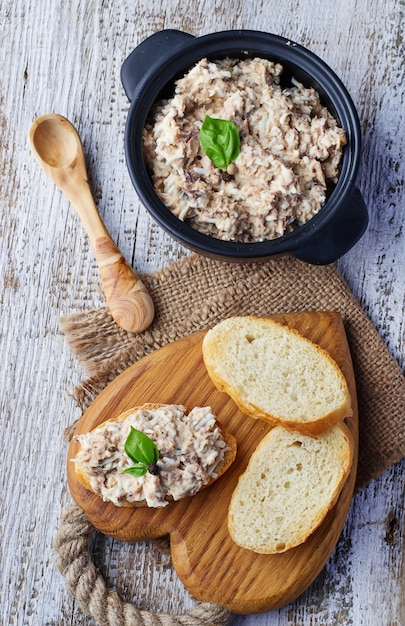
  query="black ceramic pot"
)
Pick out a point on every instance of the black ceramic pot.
point(148, 74)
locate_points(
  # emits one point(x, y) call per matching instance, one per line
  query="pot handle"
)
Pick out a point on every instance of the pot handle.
point(148, 52)
point(339, 236)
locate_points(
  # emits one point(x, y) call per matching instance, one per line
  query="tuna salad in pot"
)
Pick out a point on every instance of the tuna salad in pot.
point(287, 182)
point(289, 155)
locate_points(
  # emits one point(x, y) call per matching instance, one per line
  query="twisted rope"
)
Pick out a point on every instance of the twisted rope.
point(88, 587)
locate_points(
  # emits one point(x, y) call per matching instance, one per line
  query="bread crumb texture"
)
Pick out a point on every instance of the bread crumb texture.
point(291, 482)
point(272, 372)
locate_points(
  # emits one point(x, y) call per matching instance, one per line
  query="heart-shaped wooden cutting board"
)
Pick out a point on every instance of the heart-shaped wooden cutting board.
point(210, 565)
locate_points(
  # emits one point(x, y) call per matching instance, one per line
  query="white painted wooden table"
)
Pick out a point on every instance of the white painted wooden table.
point(65, 56)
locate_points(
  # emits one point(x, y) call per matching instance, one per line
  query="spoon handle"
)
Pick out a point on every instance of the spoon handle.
point(128, 299)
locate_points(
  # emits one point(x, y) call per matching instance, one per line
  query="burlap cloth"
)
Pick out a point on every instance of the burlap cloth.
point(191, 295)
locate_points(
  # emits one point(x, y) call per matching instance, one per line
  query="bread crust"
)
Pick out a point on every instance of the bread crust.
point(229, 455)
point(346, 464)
point(312, 427)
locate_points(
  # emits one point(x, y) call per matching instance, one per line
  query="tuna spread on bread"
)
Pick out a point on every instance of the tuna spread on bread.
point(290, 151)
point(191, 447)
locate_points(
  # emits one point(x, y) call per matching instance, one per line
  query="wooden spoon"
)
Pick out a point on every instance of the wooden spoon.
point(57, 147)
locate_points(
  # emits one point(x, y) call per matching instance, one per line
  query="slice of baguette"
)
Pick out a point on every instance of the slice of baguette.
point(225, 463)
point(273, 373)
point(290, 484)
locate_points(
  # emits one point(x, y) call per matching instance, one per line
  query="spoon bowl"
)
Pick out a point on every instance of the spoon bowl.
point(57, 147)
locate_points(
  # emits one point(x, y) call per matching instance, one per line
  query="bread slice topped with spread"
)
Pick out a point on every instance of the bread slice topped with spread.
point(273, 373)
point(291, 482)
point(154, 454)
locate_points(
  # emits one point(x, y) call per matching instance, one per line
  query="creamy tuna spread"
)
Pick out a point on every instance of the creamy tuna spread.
point(291, 147)
point(191, 447)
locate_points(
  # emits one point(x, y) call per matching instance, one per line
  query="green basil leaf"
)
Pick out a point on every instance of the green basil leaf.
point(140, 448)
point(138, 470)
point(220, 141)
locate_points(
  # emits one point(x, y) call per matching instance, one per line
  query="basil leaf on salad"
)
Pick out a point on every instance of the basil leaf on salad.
point(142, 451)
point(137, 470)
point(220, 141)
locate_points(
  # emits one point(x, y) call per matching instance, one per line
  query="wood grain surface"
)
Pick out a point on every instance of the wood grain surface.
point(210, 565)
point(65, 56)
